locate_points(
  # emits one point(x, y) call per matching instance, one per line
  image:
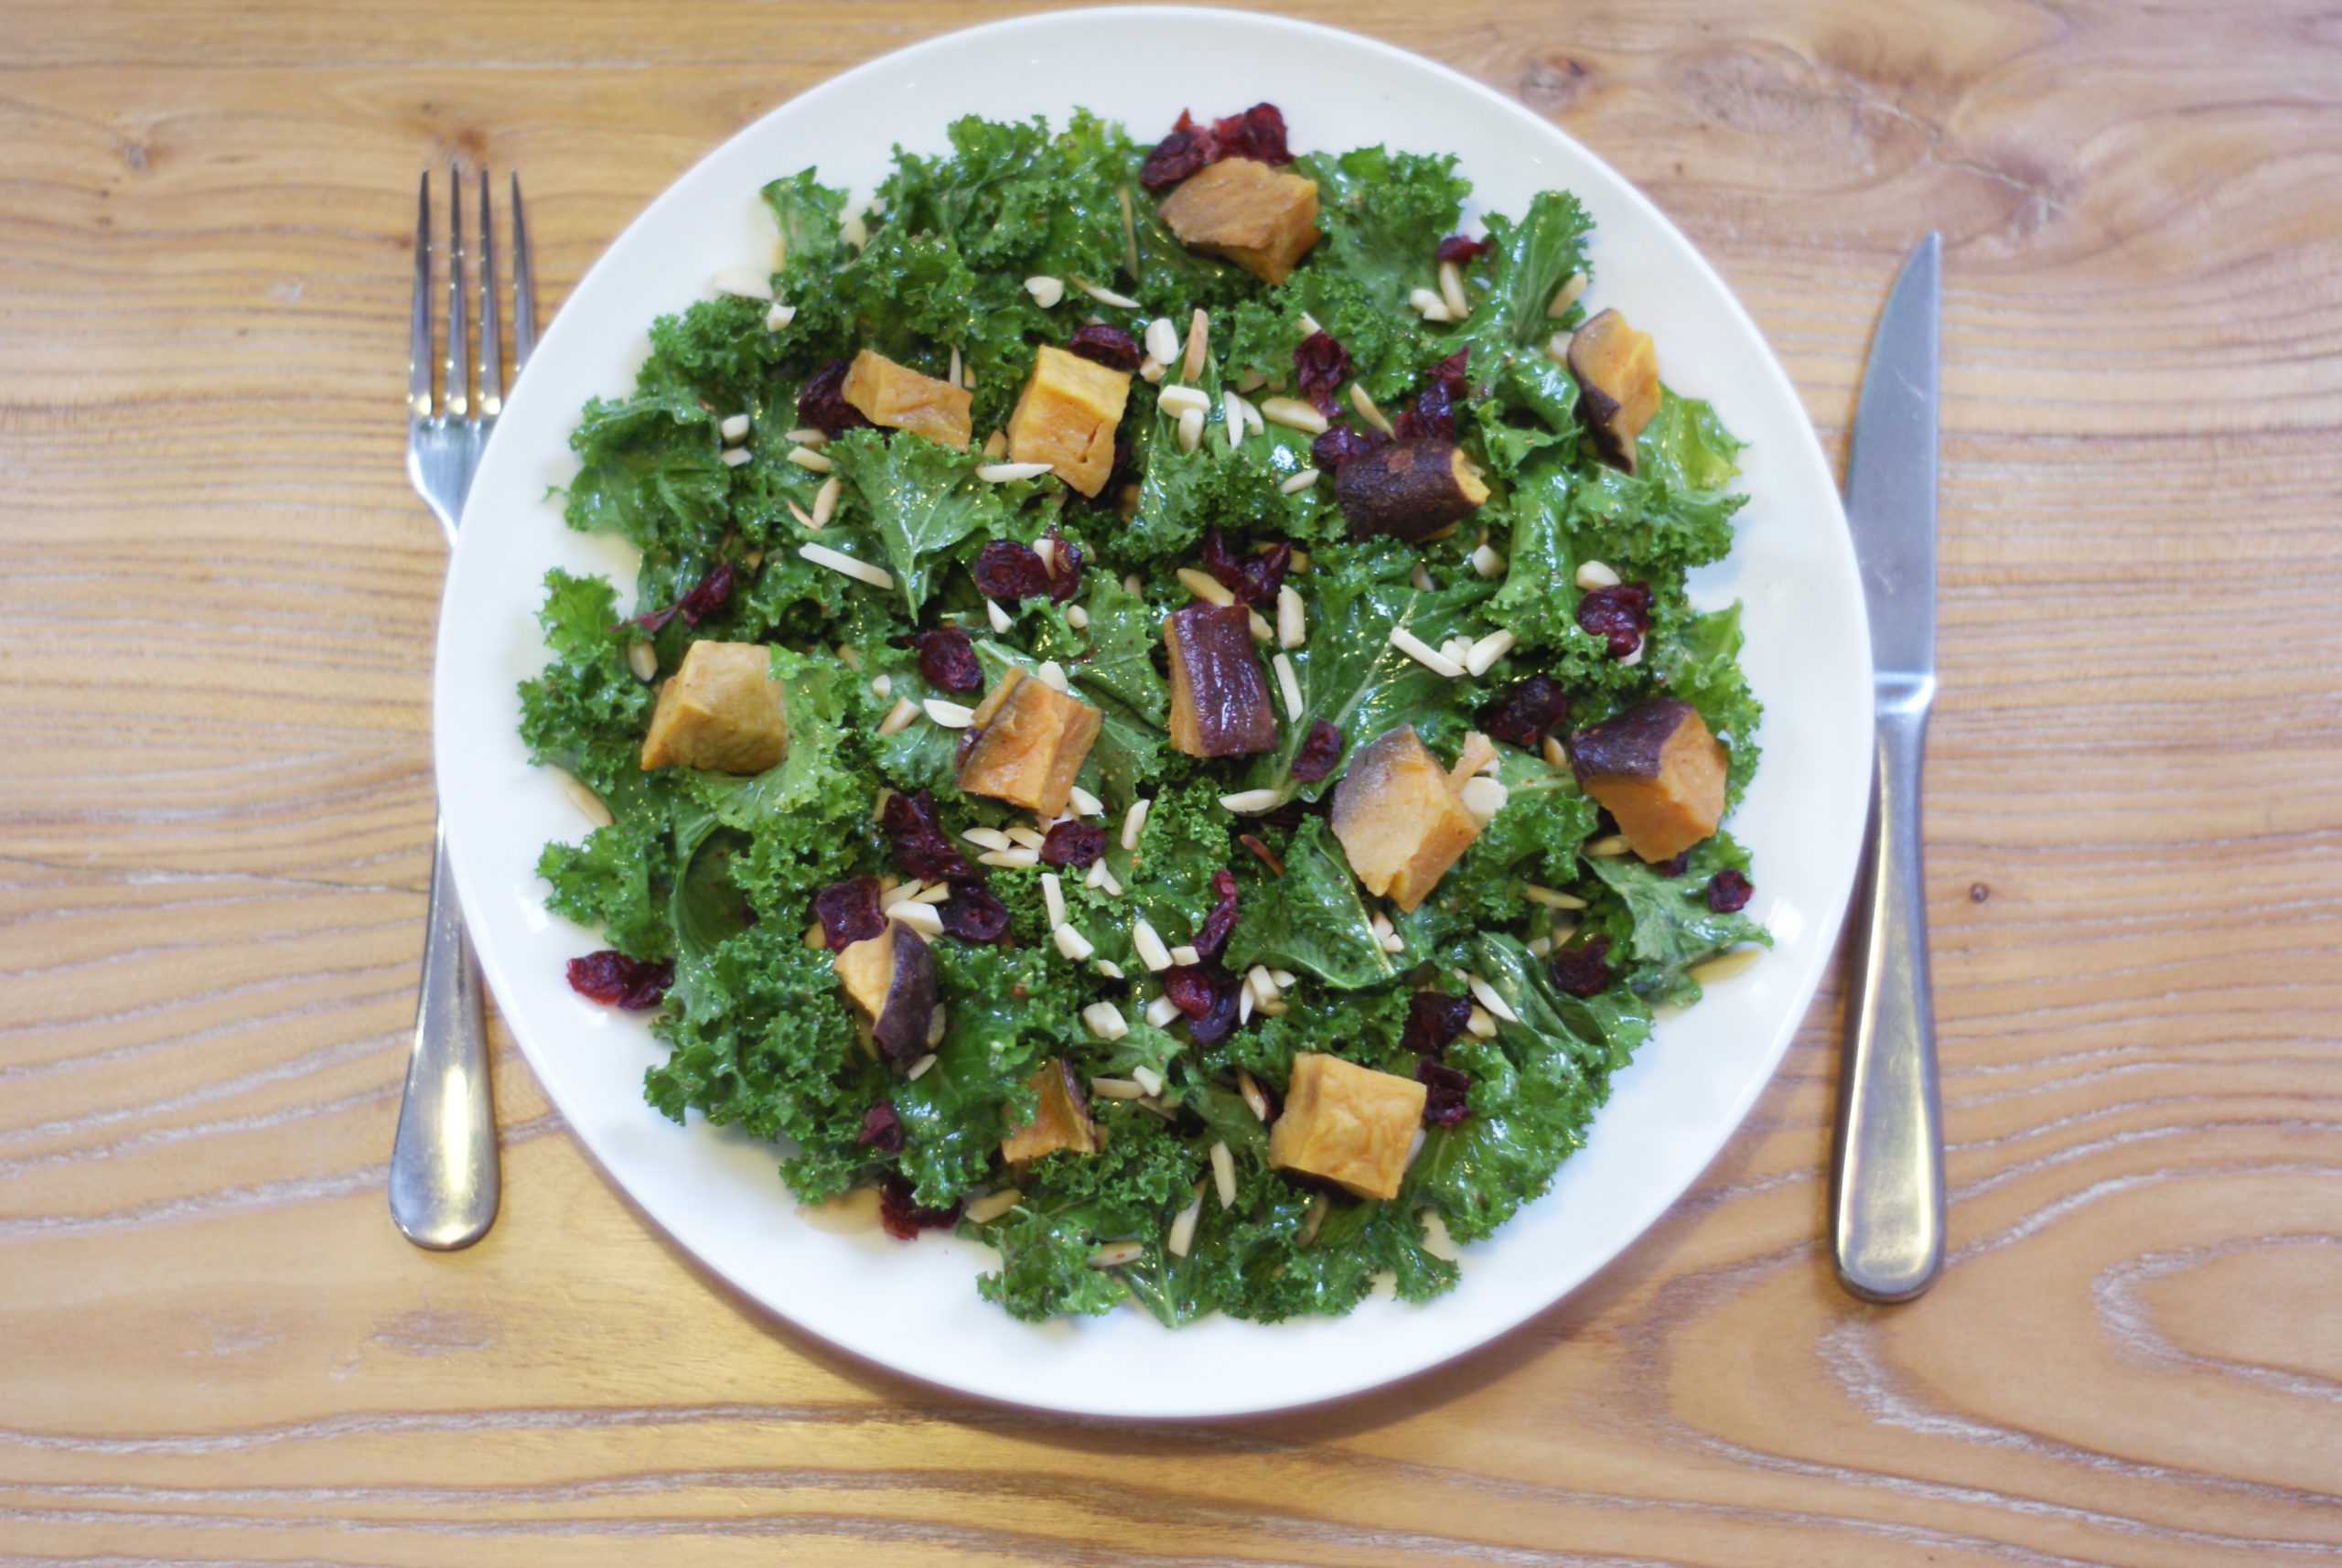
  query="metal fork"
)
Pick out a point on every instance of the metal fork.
point(444, 1184)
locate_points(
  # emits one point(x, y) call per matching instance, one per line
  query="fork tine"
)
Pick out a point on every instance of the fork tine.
point(418, 345)
point(459, 375)
point(492, 370)
point(524, 285)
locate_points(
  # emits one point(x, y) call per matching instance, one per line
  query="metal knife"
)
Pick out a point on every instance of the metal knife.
point(1887, 1197)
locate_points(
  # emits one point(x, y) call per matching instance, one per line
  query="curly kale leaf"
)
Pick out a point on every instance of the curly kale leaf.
point(748, 1052)
point(1384, 214)
point(1125, 1192)
point(1354, 679)
point(585, 711)
point(810, 216)
point(616, 880)
point(1662, 925)
point(1309, 918)
point(1533, 257)
point(921, 498)
point(1535, 1088)
point(1534, 838)
point(1004, 1008)
point(651, 469)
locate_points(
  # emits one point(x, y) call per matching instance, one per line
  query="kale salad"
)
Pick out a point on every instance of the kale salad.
point(1159, 723)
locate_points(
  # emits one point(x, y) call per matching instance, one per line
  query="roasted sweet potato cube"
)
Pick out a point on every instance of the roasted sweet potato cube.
point(1348, 1124)
point(891, 980)
point(1400, 818)
point(1061, 1120)
point(1263, 219)
point(1617, 382)
point(721, 711)
point(1067, 415)
point(1220, 704)
point(1033, 742)
point(1409, 489)
point(899, 397)
point(1658, 770)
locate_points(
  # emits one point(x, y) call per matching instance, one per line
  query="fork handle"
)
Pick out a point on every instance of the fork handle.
point(1888, 1218)
point(444, 1180)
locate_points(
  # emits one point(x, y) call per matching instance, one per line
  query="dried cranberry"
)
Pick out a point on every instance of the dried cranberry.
point(948, 659)
point(1728, 892)
point(922, 847)
point(1212, 935)
point(1254, 579)
point(1525, 713)
point(1461, 249)
point(1433, 418)
point(1064, 569)
point(1583, 972)
point(882, 1129)
point(1207, 993)
point(1321, 364)
point(1073, 844)
point(1186, 149)
point(1341, 443)
point(1620, 614)
point(901, 1213)
point(848, 912)
point(1008, 571)
point(1674, 866)
point(1433, 413)
point(974, 916)
point(822, 403)
point(1320, 749)
point(1444, 1105)
point(1435, 1021)
point(1449, 374)
point(1189, 987)
point(614, 980)
point(708, 597)
point(1258, 133)
point(1108, 346)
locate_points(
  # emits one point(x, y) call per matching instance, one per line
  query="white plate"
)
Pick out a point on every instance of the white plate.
point(915, 1308)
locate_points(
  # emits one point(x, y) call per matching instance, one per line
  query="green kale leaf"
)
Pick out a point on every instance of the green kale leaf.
point(1667, 925)
point(922, 500)
point(1311, 917)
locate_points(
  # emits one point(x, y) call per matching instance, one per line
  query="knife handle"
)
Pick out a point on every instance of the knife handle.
point(1888, 1200)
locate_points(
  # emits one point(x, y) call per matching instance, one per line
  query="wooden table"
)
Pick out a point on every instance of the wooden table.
point(219, 607)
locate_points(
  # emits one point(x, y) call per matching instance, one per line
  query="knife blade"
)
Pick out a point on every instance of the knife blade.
point(1887, 1199)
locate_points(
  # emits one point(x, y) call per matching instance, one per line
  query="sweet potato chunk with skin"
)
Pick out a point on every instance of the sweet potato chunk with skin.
point(1348, 1124)
point(721, 712)
point(1617, 383)
point(1400, 818)
point(1263, 219)
point(890, 979)
point(1066, 417)
point(899, 397)
point(1409, 489)
point(1658, 770)
point(1220, 704)
point(1035, 739)
point(1061, 1120)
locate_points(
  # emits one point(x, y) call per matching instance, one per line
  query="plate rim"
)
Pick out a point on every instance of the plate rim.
point(1831, 529)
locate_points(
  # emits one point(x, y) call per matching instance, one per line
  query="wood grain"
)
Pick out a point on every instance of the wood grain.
point(214, 641)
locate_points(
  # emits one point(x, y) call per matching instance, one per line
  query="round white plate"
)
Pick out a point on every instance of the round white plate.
point(914, 1308)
